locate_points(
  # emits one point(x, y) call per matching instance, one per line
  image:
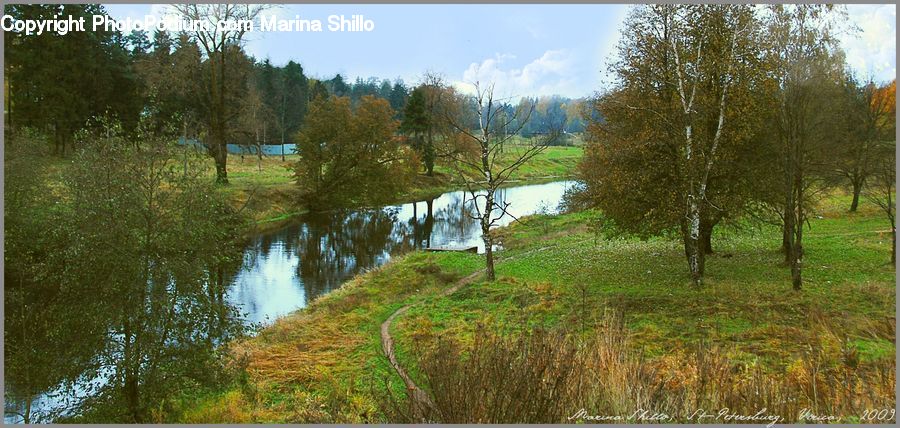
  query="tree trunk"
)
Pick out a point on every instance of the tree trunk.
point(489, 256)
point(429, 220)
point(857, 189)
point(26, 418)
point(694, 252)
point(219, 152)
point(787, 230)
point(218, 147)
point(797, 263)
point(798, 218)
point(429, 154)
point(706, 230)
point(893, 245)
point(786, 241)
point(486, 234)
point(130, 383)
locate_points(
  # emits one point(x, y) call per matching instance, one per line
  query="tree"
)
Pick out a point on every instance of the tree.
point(882, 189)
point(398, 98)
point(255, 121)
point(294, 89)
point(317, 89)
point(806, 71)
point(350, 157)
point(417, 123)
point(479, 167)
point(85, 74)
point(425, 119)
point(870, 112)
point(666, 143)
point(219, 43)
point(41, 348)
point(150, 242)
point(338, 87)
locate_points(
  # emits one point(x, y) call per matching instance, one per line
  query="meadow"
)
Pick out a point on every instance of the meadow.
point(621, 309)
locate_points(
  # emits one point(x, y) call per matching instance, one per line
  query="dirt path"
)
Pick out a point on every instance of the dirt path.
point(421, 403)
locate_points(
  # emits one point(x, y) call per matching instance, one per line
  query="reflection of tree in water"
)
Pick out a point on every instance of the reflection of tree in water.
point(422, 229)
point(334, 246)
point(453, 221)
point(415, 232)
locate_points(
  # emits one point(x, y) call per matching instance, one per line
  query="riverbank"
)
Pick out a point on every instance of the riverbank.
point(325, 363)
point(266, 191)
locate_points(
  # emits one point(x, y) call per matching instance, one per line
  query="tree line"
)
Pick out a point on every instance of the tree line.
point(200, 86)
point(724, 112)
point(117, 266)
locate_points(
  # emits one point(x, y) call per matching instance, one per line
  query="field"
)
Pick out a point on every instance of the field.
point(325, 364)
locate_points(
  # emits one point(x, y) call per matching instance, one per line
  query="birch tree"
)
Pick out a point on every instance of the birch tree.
point(681, 115)
point(479, 165)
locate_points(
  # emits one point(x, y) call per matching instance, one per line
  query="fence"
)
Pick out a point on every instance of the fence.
point(236, 149)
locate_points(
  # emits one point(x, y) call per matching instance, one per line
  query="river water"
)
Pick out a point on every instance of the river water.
point(286, 269)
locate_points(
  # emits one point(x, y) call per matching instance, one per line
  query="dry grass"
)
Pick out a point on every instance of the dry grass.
point(551, 376)
point(321, 363)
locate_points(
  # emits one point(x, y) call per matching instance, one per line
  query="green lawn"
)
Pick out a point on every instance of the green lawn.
point(562, 273)
point(324, 363)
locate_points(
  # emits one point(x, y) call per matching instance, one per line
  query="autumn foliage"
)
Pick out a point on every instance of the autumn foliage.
point(351, 155)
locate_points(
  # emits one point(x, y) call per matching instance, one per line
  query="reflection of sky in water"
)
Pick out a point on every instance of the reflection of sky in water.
point(271, 287)
point(286, 269)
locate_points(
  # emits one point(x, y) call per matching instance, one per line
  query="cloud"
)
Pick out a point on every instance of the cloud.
point(872, 52)
point(551, 73)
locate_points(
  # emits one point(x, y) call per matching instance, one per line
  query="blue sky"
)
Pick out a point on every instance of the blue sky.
point(526, 49)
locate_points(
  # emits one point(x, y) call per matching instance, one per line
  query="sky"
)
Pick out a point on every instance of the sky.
point(528, 50)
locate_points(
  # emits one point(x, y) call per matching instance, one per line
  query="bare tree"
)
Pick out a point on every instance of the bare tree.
point(215, 40)
point(881, 189)
point(481, 168)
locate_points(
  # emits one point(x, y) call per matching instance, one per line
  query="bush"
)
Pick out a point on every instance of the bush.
point(553, 377)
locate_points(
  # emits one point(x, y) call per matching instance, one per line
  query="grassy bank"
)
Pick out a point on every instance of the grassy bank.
point(266, 190)
point(324, 363)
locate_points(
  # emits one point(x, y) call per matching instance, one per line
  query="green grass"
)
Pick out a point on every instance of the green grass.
point(324, 363)
point(559, 273)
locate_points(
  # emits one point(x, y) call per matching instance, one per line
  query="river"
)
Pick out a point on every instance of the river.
point(286, 269)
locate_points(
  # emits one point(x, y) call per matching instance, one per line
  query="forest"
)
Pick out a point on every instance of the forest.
point(726, 238)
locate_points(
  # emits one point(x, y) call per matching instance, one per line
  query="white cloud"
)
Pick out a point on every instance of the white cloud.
point(872, 52)
point(552, 73)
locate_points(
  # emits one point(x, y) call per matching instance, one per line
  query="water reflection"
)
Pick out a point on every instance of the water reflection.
point(287, 269)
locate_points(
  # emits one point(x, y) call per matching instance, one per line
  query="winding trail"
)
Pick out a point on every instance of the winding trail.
point(421, 403)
